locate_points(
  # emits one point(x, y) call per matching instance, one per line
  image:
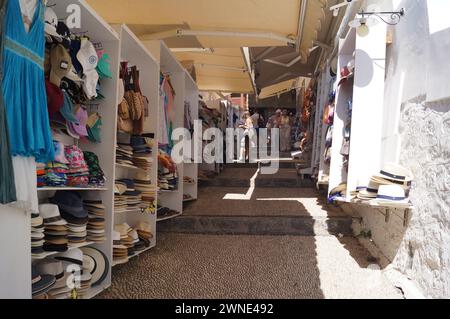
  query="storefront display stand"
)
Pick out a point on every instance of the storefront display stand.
point(385, 209)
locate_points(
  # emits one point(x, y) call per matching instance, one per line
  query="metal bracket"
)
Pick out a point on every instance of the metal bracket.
point(387, 215)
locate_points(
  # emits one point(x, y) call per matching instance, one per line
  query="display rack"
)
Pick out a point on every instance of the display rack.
point(170, 66)
point(366, 90)
point(326, 86)
point(99, 32)
point(136, 54)
point(190, 165)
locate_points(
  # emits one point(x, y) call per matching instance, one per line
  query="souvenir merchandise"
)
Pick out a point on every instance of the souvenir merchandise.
point(55, 268)
point(128, 200)
point(56, 229)
point(25, 101)
point(78, 174)
point(165, 212)
point(142, 150)
point(167, 172)
point(120, 251)
point(145, 232)
point(7, 187)
point(188, 180)
point(146, 186)
point(96, 175)
point(70, 205)
point(25, 182)
point(37, 236)
point(96, 263)
point(133, 106)
point(41, 284)
point(167, 111)
point(96, 222)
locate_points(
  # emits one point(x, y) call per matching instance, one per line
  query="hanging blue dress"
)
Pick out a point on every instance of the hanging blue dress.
point(24, 85)
point(7, 186)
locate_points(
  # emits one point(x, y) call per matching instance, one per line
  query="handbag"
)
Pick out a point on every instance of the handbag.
point(124, 122)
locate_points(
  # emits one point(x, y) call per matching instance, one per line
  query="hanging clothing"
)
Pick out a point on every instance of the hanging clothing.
point(26, 186)
point(7, 188)
point(187, 116)
point(163, 118)
point(24, 85)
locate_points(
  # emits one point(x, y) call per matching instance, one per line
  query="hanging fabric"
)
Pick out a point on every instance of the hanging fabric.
point(24, 86)
point(7, 188)
point(163, 118)
point(26, 186)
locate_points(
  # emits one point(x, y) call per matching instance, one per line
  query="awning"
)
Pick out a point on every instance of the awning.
point(274, 65)
point(224, 26)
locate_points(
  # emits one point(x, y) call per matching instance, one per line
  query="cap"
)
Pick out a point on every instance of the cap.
point(61, 64)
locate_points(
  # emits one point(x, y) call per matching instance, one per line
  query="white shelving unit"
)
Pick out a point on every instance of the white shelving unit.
point(99, 32)
point(136, 54)
point(366, 90)
point(190, 167)
point(170, 66)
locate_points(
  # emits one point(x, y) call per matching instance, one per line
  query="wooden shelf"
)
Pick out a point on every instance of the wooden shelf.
point(373, 203)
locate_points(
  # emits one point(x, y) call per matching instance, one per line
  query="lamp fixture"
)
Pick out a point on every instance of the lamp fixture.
point(368, 19)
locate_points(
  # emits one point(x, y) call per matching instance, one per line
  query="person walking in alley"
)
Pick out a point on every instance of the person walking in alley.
point(285, 132)
point(273, 122)
point(250, 136)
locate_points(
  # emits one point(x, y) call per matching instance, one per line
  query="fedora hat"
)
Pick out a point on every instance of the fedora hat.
point(41, 283)
point(74, 256)
point(391, 195)
point(395, 172)
point(50, 214)
point(100, 269)
point(70, 203)
point(51, 267)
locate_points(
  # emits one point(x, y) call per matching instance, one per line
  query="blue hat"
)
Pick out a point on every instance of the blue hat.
point(71, 203)
point(67, 109)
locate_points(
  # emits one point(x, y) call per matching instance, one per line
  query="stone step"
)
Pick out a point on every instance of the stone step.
point(259, 182)
point(258, 225)
point(255, 165)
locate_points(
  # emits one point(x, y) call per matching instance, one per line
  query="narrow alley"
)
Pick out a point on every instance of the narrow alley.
point(282, 241)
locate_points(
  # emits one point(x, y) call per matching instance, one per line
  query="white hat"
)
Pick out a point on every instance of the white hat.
point(391, 194)
point(50, 214)
point(74, 256)
point(116, 240)
point(370, 192)
point(87, 56)
point(395, 172)
point(90, 80)
point(51, 22)
point(51, 267)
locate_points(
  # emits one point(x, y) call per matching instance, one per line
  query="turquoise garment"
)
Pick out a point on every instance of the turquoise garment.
point(7, 185)
point(24, 85)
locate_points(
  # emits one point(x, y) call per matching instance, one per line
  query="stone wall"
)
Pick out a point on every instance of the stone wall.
point(417, 135)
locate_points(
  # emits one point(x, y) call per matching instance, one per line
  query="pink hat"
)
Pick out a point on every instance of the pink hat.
point(80, 128)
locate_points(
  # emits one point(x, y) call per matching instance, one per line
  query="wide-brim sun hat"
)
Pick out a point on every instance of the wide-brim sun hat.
point(101, 268)
point(391, 195)
point(395, 172)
